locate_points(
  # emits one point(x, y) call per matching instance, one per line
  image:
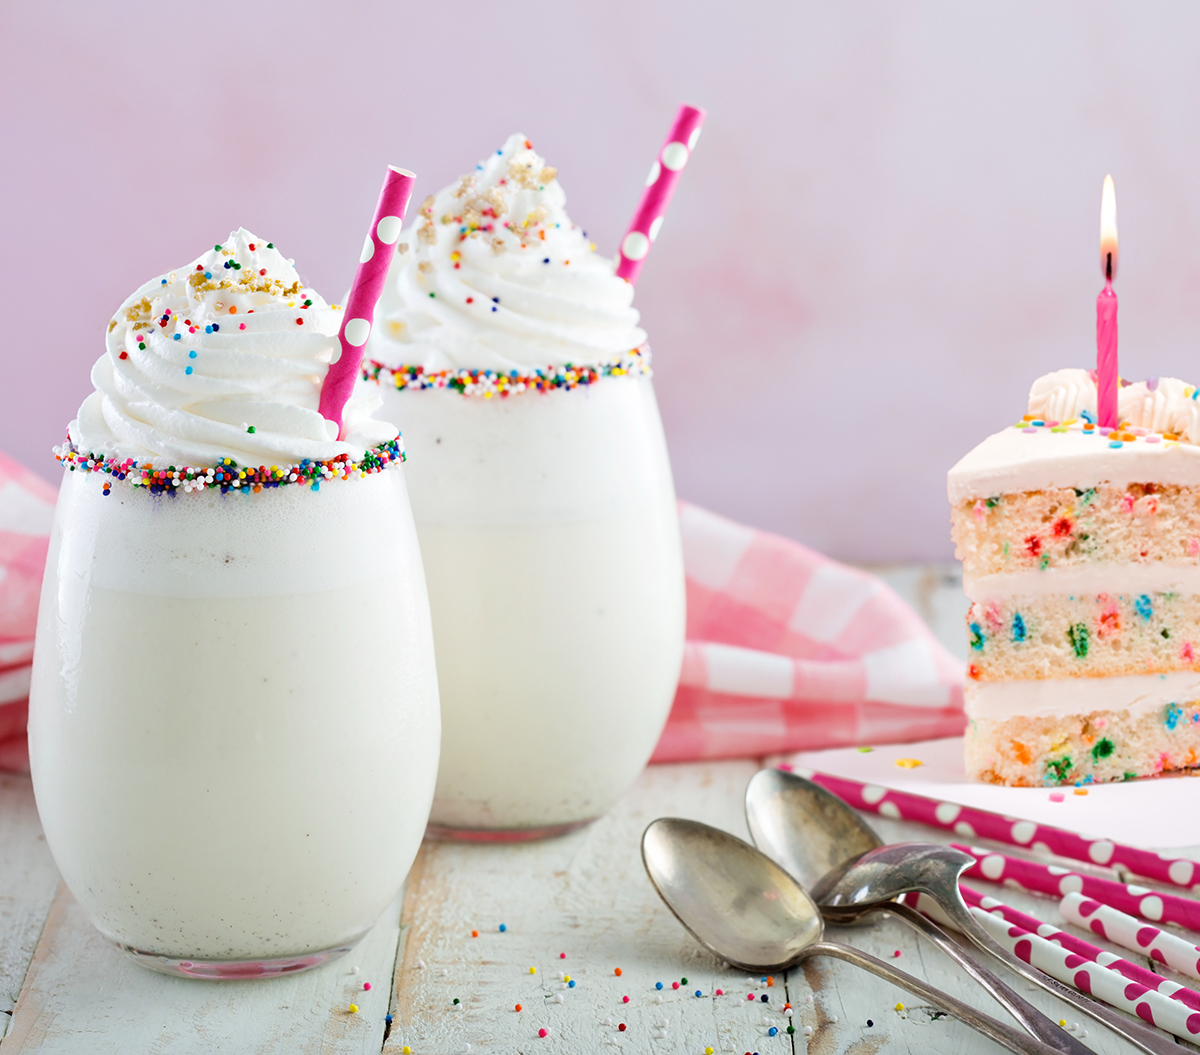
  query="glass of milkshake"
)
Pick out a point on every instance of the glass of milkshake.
point(510, 353)
point(234, 719)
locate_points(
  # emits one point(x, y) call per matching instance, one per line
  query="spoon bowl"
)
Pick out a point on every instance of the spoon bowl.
point(745, 909)
point(803, 827)
point(737, 903)
point(886, 872)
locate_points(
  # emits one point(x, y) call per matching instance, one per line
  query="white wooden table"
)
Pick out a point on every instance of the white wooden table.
point(63, 989)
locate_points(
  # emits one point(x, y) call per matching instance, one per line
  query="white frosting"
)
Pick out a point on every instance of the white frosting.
point(1086, 580)
point(1162, 404)
point(253, 367)
point(1062, 395)
point(1136, 694)
point(1013, 461)
point(494, 276)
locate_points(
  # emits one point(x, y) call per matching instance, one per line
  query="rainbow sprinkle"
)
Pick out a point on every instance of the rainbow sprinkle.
point(489, 383)
point(228, 475)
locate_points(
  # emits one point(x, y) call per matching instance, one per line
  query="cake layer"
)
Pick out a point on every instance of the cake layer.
point(1137, 523)
point(1091, 746)
point(1134, 693)
point(1083, 636)
point(1037, 458)
point(1086, 579)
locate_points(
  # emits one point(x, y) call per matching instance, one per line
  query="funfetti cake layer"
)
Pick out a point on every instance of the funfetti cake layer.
point(1081, 557)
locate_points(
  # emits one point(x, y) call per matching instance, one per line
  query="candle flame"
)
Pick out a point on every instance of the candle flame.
point(1108, 230)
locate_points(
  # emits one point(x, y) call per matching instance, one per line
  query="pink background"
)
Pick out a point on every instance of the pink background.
point(889, 228)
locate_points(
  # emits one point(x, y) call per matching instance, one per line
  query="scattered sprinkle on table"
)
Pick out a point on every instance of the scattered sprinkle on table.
point(899, 1007)
point(621, 1026)
point(533, 970)
point(1056, 796)
point(406, 1050)
point(683, 981)
point(624, 1000)
point(542, 1032)
point(772, 1031)
point(516, 1007)
point(909, 763)
point(617, 971)
point(366, 986)
point(863, 750)
point(474, 934)
point(503, 928)
point(658, 985)
point(896, 954)
point(354, 1009)
point(562, 955)
point(1081, 791)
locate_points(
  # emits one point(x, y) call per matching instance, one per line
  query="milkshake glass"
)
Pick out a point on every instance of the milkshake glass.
point(234, 717)
point(511, 355)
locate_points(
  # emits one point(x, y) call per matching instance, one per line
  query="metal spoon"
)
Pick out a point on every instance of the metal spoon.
point(811, 833)
point(744, 908)
point(888, 872)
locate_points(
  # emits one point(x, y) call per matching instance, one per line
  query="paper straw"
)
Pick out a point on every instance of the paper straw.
point(1085, 975)
point(1134, 972)
point(1055, 881)
point(660, 185)
point(365, 292)
point(972, 823)
point(1131, 933)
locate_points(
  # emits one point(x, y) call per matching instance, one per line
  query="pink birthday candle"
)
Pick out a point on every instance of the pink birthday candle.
point(1106, 312)
point(660, 185)
point(365, 292)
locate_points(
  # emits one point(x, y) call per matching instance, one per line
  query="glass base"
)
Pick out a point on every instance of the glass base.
point(217, 970)
point(446, 834)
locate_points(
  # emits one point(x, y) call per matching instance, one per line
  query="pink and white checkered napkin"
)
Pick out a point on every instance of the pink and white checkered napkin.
point(789, 650)
point(26, 512)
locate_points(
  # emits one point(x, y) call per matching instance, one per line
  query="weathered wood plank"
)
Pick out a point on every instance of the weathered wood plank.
point(587, 895)
point(82, 995)
point(28, 880)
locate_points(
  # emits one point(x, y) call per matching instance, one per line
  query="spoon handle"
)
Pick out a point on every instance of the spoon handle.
point(1021, 1009)
point(1002, 1034)
point(1148, 1040)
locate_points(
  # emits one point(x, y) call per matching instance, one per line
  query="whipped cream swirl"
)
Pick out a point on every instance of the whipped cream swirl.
point(223, 358)
point(494, 276)
point(1160, 404)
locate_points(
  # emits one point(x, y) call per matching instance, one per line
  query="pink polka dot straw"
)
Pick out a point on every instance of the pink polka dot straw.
point(1131, 933)
point(1057, 882)
point(365, 292)
point(972, 823)
point(660, 185)
point(1089, 977)
point(1132, 971)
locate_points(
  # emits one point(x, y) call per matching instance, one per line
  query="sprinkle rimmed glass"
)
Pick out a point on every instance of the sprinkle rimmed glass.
point(234, 718)
point(550, 536)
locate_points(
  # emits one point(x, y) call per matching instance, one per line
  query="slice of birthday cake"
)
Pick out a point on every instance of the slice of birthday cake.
point(1080, 549)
